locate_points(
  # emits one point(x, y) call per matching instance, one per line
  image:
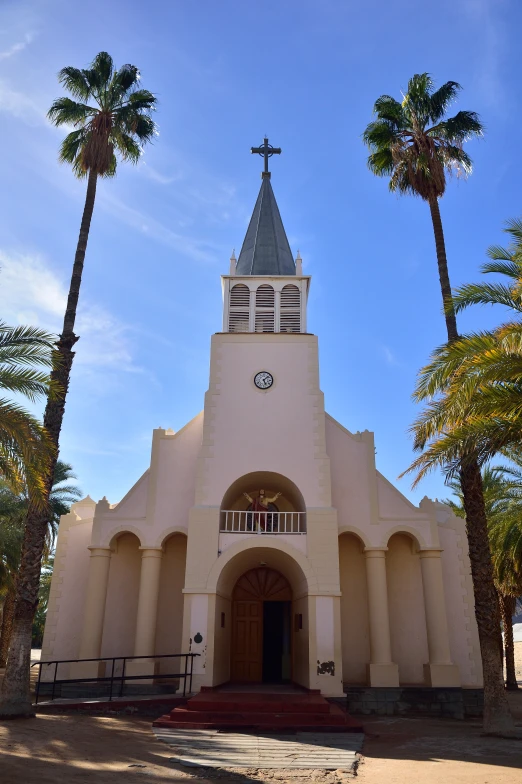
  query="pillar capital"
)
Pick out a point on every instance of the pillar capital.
point(100, 552)
point(431, 552)
point(151, 552)
point(375, 552)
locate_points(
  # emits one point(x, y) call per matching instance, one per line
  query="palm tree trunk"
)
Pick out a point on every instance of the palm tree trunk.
point(7, 625)
point(497, 716)
point(507, 610)
point(449, 313)
point(15, 697)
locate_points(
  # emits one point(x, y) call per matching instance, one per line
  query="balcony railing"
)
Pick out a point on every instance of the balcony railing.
point(242, 522)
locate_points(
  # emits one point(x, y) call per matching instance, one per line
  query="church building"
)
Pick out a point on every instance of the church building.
point(286, 558)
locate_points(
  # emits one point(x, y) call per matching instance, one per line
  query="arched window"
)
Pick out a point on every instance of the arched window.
point(238, 316)
point(290, 318)
point(265, 309)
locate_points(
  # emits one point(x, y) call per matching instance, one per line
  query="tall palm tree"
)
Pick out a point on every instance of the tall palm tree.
point(25, 355)
point(111, 115)
point(13, 509)
point(411, 143)
point(473, 388)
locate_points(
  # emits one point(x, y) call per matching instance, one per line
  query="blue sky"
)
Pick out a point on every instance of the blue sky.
point(306, 73)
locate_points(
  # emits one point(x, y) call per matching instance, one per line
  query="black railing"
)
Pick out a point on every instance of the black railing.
point(114, 678)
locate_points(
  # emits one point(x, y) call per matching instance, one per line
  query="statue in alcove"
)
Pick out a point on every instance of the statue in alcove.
point(262, 507)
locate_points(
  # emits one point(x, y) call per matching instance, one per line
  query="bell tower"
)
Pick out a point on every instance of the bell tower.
point(264, 426)
point(266, 290)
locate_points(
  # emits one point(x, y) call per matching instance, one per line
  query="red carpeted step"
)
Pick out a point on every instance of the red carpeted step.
point(262, 712)
point(335, 720)
point(259, 703)
point(247, 717)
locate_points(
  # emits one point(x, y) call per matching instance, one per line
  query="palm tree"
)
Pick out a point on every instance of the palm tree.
point(411, 143)
point(473, 388)
point(502, 487)
point(13, 509)
point(474, 384)
point(25, 355)
point(43, 601)
point(111, 115)
point(11, 537)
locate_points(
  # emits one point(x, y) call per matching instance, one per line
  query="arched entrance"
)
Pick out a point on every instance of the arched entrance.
point(261, 627)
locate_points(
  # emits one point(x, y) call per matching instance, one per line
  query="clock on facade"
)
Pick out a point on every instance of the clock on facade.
point(263, 380)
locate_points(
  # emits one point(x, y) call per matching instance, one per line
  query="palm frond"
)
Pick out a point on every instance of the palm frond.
point(441, 100)
point(25, 381)
point(119, 121)
point(484, 294)
point(502, 264)
point(74, 81)
point(414, 156)
point(460, 128)
point(65, 111)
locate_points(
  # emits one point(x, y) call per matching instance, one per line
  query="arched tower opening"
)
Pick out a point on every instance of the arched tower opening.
point(263, 502)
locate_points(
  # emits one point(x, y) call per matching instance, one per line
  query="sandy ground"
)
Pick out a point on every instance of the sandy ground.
point(108, 749)
point(120, 749)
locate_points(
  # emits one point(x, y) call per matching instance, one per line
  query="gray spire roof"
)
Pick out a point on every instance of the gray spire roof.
point(265, 249)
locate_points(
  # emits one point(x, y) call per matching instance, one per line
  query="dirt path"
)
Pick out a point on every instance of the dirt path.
point(431, 751)
point(80, 749)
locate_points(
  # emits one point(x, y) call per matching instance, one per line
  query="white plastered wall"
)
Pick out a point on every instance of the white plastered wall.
point(159, 503)
point(369, 506)
point(63, 626)
point(293, 436)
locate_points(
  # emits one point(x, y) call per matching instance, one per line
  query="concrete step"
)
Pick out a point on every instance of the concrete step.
point(259, 703)
point(335, 719)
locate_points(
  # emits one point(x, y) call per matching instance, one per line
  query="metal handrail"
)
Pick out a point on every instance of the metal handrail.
point(112, 678)
point(239, 521)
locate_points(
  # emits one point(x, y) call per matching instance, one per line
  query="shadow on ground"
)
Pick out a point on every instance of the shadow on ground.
point(113, 749)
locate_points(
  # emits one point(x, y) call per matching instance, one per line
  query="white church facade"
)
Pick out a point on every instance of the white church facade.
point(281, 556)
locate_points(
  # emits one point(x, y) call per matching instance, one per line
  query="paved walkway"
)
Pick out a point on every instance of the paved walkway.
point(309, 750)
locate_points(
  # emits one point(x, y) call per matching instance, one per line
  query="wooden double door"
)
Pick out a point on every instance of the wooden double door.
point(261, 614)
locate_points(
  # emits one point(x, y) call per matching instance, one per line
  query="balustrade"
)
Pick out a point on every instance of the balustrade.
point(246, 522)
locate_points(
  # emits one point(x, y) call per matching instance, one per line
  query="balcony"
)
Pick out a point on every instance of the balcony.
point(270, 523)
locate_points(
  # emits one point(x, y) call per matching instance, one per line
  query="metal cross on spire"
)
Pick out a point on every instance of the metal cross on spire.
point(266, 150)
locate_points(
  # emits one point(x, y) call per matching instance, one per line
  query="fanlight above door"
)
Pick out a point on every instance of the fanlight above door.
point(263, 584)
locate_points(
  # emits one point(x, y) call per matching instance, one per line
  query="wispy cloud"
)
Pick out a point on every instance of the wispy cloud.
point(190, 247)
point(19, 46)
point(156, 176)
point(21, 105)
point(32, 293)
point(389, 356)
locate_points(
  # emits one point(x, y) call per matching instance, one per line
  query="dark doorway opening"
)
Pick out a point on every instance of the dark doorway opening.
point(276, 642)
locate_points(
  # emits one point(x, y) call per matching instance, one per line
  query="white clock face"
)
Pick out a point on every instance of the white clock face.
point(263, 380)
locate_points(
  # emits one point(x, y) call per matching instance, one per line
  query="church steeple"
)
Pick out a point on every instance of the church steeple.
point(266, 291)
point(266, 250)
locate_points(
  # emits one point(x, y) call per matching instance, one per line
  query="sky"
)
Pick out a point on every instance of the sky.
point(306, 73)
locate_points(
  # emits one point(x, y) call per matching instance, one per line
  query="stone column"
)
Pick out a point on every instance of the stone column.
point(146, 616)
point(440, 671)
point(93, 615)
point(381, 670)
